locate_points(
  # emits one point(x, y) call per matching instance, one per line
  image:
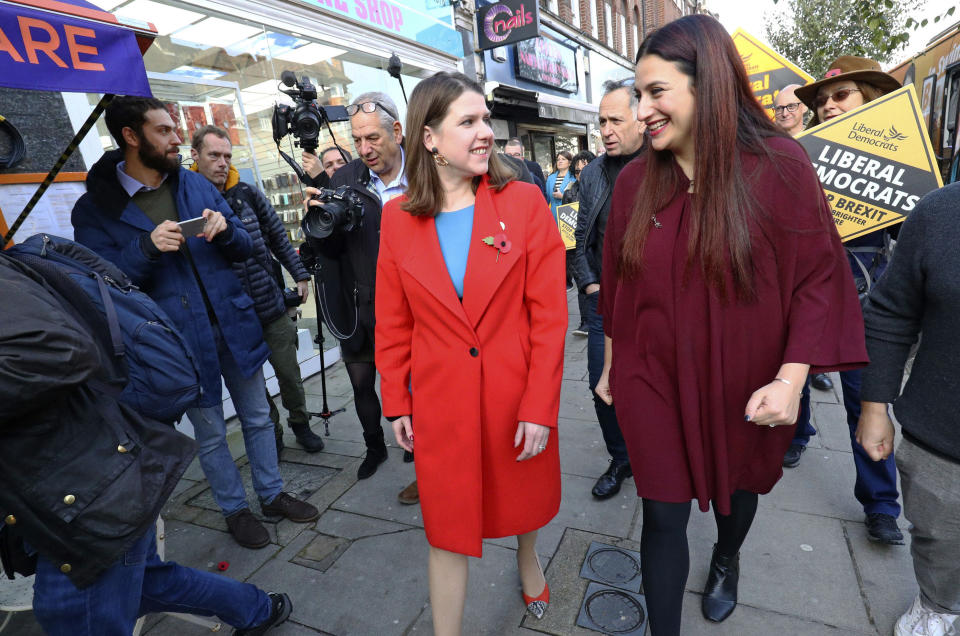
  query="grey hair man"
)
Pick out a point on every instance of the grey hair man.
point(788, 111)
point(514, 148)
point(622, 136)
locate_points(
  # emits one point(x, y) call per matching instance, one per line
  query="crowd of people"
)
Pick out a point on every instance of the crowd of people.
point(713, 294)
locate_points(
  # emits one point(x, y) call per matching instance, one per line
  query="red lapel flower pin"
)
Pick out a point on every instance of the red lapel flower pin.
point(499, 241)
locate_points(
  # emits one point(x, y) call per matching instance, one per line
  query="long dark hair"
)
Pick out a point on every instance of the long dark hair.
point(728, 121)
point(429, 103)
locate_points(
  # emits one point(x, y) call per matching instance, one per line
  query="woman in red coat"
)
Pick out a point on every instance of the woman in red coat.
point(471, 316)
point(724, 283)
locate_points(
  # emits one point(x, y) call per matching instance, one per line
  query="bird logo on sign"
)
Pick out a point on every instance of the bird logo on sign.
point(894, 135)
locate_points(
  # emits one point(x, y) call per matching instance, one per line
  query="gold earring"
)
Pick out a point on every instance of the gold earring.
point(439, 159)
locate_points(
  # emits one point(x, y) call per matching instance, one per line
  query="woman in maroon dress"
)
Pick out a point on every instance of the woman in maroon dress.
point(724, 283)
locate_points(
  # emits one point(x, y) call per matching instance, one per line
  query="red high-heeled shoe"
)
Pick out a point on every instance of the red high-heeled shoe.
point(538, 606)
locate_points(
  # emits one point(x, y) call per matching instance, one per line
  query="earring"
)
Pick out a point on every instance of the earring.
point(439, 159)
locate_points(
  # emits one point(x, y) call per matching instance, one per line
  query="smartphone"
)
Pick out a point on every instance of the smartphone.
point(192, 227)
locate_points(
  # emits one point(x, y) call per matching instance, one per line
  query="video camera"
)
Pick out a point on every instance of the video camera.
point(342, 211)
point(305, 118)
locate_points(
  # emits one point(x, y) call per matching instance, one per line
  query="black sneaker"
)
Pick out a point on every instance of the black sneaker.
point(285, 505)
point(581, 331)
point(792, 457)
point(279, 612)
point(883, 528)
point(247, 530)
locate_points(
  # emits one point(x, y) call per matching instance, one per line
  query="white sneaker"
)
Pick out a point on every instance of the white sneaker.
point(920, 621)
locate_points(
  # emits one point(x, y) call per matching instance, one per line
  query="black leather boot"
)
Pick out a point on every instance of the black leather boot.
point(720, 592)
point(311, 442)
point(376, 455)
point(609, 483)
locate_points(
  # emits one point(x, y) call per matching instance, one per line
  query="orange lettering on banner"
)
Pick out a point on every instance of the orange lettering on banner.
point(7, 47)
point(32, 46)
point(76, 48)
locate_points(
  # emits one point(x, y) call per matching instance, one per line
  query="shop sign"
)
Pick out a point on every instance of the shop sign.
point(767, 70)
point(507, 22)
point(407, 18)
point(874, 162)
point(567, 222)
point(546, 62)
point(41, 50)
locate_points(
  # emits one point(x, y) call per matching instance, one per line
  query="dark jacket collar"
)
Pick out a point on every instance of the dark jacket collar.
point(105, 188)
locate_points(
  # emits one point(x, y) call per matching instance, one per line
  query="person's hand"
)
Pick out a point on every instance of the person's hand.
point(875, 430)
point(776, 404)
point(311, 164)
point(216, 223)
point(167, 237)
point(308, 200)
point(303, 288)
point(403, 431)
point(592, 288)
point(603, 387)
point(534, 438)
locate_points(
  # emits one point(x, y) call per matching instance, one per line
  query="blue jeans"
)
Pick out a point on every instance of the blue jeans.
point(606, 414)
point(140, 583)
point(210, 429)
point(804, 430)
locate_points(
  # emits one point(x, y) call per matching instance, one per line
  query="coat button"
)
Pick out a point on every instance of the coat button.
point(121, 448)
point(65, 568)
point(474, 352)
point(69, 499)
point(10, 520)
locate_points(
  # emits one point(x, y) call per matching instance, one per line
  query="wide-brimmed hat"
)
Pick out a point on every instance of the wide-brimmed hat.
point(849, 67)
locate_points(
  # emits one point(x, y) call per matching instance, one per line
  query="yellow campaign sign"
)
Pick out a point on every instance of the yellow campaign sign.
point(874, 162)
point(567, 222)
point(767, 70)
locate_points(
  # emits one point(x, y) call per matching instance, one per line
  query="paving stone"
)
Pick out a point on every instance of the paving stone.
point(832, 429)
point(300, 480)
point(351, 526)
point(582, 449)
point(321, 552)
point(377, 496)
point(203, 548)
point(575, 401)
point(822, 484)
point(831, 395)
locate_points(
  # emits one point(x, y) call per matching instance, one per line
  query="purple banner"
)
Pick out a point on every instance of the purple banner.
point(53, 52)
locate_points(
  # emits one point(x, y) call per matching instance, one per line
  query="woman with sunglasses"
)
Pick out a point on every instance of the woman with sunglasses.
point(723, 285)
point(471, 319)
point(849, 83)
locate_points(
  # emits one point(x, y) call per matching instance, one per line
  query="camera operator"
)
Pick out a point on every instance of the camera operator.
point(349, 257)
point(212, 153)
point(321, 169)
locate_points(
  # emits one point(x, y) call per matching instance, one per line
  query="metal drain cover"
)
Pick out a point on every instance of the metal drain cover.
point(613, 611)
point(612, 566)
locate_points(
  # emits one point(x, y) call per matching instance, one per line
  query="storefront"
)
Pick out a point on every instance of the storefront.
point(219, 62)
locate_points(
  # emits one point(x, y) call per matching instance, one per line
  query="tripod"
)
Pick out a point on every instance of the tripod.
point(325, 413)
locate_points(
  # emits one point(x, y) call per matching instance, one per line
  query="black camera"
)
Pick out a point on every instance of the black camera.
point(342, 211)
point(305, 117)
point(291, 298)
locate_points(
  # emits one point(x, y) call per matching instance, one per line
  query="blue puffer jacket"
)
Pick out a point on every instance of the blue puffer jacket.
point(269, 238)
point(108, 222)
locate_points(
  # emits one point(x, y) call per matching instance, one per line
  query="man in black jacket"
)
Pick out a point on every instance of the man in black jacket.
point(622, 140)
point(212, 153)
point(514, 148)
point(85, 477)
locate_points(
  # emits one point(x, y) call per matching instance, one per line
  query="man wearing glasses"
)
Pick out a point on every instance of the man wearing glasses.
point(350, 259)
point(788, 111)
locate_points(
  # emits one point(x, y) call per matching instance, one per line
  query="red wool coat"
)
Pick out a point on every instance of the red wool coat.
point(476, 368)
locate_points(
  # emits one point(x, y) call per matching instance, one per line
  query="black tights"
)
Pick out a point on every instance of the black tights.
point(363, 377)
point(665, 556)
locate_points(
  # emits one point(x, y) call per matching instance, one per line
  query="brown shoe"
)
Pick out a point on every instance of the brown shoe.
point(285, 505)
point(409, 495)
point(247, 529)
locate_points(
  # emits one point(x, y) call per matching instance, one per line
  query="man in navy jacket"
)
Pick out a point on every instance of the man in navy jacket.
point(135, 198)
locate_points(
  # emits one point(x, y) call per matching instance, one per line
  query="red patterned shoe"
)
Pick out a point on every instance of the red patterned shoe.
point(538, 606)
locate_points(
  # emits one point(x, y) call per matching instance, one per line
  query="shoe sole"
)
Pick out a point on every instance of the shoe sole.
point(884, 541)
point(409, 502)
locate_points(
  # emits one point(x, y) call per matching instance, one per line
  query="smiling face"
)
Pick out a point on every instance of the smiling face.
point(830, 93)
point(790, 122)
point(464, 137)
point(667, 106)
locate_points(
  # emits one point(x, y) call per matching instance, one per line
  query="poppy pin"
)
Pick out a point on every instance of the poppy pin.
point(499, 241)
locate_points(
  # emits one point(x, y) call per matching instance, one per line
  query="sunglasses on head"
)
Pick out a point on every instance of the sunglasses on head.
point(368, 107)
point(837, 97)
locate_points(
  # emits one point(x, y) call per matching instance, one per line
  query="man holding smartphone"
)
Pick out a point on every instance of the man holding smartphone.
point(135, 197)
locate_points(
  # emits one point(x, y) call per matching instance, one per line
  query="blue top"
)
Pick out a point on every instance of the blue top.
point(454, 230)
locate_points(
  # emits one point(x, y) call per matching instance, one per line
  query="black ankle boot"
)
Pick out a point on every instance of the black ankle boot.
point(376, 455)
point(720, 592)
point(311, 442)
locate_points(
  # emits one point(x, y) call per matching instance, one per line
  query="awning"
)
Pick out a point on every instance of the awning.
point(73, 46)
point(547, 106)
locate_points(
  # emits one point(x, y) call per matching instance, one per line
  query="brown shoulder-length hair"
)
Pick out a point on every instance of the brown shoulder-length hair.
point(727, 121)
point(429, 103)
point(869, 92)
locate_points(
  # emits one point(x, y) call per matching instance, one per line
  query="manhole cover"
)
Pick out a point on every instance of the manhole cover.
point(613, 611)
point(613, 566)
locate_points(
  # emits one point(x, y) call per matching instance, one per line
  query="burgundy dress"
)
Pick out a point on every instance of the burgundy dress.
point(685, 362)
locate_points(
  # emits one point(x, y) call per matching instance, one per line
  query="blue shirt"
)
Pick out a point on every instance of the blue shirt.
point(130, 185)
point(454, 230)
point(395, 188)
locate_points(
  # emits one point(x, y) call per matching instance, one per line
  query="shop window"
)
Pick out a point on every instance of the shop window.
point(594, 19)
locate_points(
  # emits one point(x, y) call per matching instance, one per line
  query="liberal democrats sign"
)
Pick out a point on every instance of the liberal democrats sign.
point(506, 22)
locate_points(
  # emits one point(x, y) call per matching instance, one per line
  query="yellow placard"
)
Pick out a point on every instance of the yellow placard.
point(767, 70)
point(567, 222)
point(874, 162)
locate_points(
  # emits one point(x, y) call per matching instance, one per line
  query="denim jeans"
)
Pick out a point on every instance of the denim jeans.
point(606, 414)
point(258, 437)
point(140, 583)
point(804, 429)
